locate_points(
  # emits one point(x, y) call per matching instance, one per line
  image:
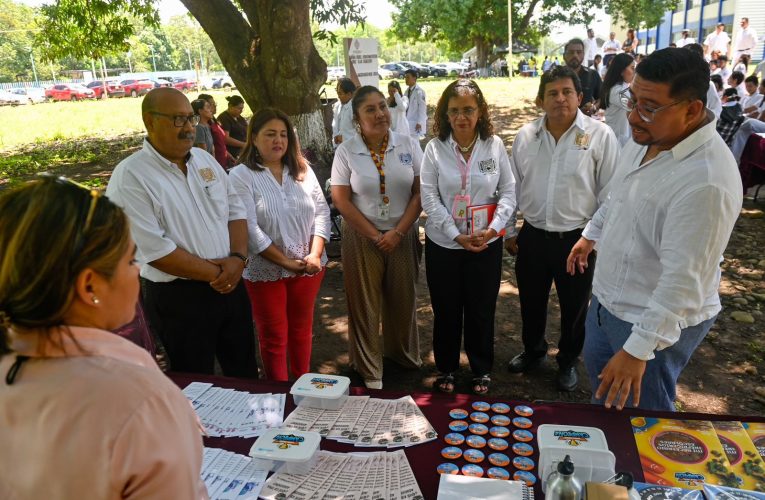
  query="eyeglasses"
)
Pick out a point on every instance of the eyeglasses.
point(646, 113)
point(466, 112)
point(179, 120)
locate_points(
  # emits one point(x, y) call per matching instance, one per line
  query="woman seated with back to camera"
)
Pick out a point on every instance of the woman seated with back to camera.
point(85, 413)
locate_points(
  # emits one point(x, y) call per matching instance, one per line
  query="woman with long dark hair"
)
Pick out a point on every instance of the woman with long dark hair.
point(288, 225)
point(618, 78)
point(397, 103)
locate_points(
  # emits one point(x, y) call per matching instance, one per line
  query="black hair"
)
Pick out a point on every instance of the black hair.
point(412, 72)
point(206, 97)
point(696, 48)
point(346, 85)
point(752, 79)
point(558, 73)
point(462, 87)
point(573, 41)
point(738, 77)
point(359, 97)
point(198, 105)
point(234, 100)
point(687, 75)
point(397, 86)
point(618, 64)
point(717, 80)
point(731, 93)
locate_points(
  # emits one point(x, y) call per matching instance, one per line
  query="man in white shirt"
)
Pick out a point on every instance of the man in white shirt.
point(590, 47)
point(660, 237)
point(723, 69)
point(610, 48)
point(563, 163)
point(342, 113)
point(417, 112)
point(190, 230)
point(746, 40)
point(751, 103)
point(717, 41)
point(685, 39)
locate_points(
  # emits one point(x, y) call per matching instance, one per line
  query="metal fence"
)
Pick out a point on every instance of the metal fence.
point(39, 84)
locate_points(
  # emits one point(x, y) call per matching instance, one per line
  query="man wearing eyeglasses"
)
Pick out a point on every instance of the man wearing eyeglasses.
point(563, 163)
point(191, 232)
point(660, 237)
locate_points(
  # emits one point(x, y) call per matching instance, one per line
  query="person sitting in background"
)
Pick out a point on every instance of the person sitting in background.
point(203, 138)
point(234, 125)
point(736, 81)
point(618, 78)
point(754, 123)
point(742, 64)
point(288, 225)
point(219, 135)
point(397, 104)
point(342, 115)
point(731, 116)
point(752, 102)
point(717, 81)
point(78, 399)
point(722, 68)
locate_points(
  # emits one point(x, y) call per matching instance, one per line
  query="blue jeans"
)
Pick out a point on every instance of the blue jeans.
point(605, 334)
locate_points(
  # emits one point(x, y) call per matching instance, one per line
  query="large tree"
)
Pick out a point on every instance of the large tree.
point(639, 13)
point(483, 23)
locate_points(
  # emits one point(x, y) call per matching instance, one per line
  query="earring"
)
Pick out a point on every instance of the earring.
point(95, 300)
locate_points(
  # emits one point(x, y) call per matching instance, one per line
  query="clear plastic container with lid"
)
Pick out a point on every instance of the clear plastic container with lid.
point(587, 447)
point(287, 450)
point(316, 390)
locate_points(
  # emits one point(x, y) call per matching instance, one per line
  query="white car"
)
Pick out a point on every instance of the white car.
point(335, 73)
point(34, 95)
point(10, 99)
point(453, 69)
point(386, 74)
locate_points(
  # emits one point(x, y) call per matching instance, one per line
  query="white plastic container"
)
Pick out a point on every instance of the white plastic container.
point(587, 447)
point(288, 450)
point(320, 391)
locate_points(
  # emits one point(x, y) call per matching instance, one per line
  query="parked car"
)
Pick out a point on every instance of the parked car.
point(386, 74)
point(113, 88)
point(453, 69)
point(422, 71)
point(31, 95)
point(184, 84)
point(135, 87)
point(395, 68)
point(334, 73)
point(69, 92)
point(8, 98)
point(435, 70)
point(160, 82)
point(225, 83)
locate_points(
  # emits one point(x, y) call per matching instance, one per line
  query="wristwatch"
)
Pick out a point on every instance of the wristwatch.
point(246, 260)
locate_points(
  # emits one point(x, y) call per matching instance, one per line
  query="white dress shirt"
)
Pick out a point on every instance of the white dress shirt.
point(169, 210)
point(560, 186)
point(287, 215)
point(616, 114)
point(342, 121)
point(717, 42)
point(489, 180)
point(682, 42)
point(611, 47)
point(398, 121)
point(751, 100)
point(661, 234)
point(714, 104)
point(746, 41)
point(353, 166)
point(417, 112)
point(590, 49)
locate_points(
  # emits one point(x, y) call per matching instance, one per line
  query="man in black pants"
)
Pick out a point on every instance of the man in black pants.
point(190, 230)
point(562, 163)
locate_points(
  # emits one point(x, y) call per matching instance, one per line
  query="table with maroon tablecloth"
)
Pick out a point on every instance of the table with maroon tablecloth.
point(752, 165)
point(425, 458)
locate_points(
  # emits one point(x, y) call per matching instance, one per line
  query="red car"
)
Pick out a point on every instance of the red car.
point(184, 84)
point(69, 92)
point(134, 88)
point(113, 88)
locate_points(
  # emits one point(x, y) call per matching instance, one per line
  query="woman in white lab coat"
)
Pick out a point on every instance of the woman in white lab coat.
point(397, 103)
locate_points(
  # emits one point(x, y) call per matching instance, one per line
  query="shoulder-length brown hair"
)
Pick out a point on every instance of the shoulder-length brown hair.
point(296, 163)
point(458, 88)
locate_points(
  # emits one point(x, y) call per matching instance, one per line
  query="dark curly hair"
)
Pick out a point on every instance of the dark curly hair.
point(458, 88)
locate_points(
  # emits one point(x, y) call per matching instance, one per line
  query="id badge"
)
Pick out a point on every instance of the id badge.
point(383, 209)
point(459, 208)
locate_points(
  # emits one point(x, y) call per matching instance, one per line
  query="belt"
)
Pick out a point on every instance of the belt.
point(555, 235)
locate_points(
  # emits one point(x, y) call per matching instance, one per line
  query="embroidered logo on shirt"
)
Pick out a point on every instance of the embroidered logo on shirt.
point(487, 167)
point(582, 140)
point(405, 158)
point(208, 174)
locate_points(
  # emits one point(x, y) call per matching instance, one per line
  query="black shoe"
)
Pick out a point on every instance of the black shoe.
point(568, 378)
point(524, 362)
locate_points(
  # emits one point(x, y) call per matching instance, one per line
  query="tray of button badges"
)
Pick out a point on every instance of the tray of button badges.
point(493, 440)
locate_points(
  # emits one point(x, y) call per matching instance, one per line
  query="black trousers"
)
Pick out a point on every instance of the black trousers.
point(463, 291)
point(196, 324)
point(541, 261)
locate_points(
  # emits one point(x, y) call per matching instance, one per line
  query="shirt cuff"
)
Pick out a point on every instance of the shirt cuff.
point(639, 344)
point(497, 226)
point(591, 232)
point(452, 232)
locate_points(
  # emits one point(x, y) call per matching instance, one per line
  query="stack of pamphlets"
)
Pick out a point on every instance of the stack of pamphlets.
point(349, 476)
point(232, 413)
point(229, 476)
point(367, 422)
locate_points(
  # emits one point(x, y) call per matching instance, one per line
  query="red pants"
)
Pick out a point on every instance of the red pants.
point(283, 312)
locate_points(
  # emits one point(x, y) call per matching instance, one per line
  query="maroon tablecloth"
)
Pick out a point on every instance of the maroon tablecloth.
point(752, 166)
point(425, 458)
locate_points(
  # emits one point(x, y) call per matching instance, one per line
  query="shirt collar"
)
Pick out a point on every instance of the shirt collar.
point(79, 341)
point(579, 122)
point(359, 147)
point(147, 146)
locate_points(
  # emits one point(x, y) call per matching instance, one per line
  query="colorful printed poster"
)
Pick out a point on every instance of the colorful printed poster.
point(747, 471)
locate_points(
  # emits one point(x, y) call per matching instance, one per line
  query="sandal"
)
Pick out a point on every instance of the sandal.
point(481, 384)
point(445, 383)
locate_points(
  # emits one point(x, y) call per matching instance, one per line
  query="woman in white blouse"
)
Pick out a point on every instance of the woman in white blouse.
point(465, 171)
point(288, 224)
point(618, 78)
point(397, 104)
point(376, 187)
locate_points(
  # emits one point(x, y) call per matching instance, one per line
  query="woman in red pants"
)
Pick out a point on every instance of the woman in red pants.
point(288, 223)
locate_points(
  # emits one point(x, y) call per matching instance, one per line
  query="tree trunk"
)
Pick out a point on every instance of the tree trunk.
point(268, 51)
point(482, 56)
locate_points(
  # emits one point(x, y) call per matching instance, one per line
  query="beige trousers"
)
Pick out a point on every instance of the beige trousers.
point(381, 286)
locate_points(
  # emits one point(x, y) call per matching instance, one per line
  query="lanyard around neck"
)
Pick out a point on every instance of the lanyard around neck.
point(379, 161)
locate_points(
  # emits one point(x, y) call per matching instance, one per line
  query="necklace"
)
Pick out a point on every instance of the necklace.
point(467, 148)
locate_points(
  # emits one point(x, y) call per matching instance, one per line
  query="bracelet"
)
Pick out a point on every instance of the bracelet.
point(399, 233)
